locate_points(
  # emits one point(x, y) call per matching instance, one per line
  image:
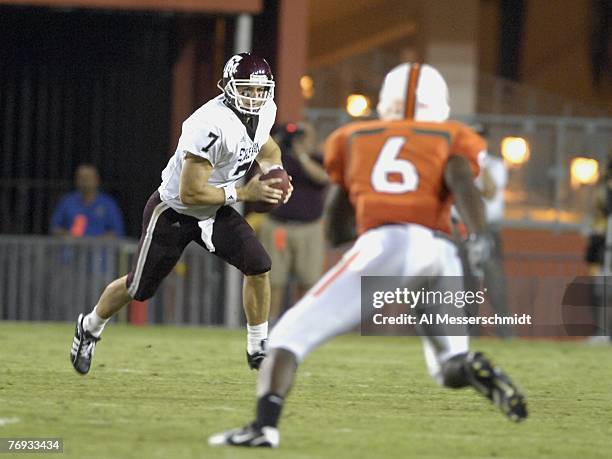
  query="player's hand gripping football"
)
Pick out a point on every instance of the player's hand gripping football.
point(289, 191)
point(268, 167)
point(261, 190)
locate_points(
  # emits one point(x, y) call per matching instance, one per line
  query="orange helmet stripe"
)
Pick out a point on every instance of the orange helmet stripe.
point(413, 79)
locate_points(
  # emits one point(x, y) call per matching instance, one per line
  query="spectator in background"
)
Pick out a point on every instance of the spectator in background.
point(491, 182)
point(87, 211)
point(293, 234)
point(595, 257)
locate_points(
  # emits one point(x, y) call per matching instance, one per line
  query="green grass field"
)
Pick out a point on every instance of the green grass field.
point(160, 391)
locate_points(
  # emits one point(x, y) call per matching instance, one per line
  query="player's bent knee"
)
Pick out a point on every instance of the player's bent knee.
point(257, 265)
point(258, 278)
point(288, 343)
point(285, 352)
point(143, 295)
point(283, 356)
point(142, 292)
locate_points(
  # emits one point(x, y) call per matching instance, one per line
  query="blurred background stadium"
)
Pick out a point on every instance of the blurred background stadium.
point(109, 82)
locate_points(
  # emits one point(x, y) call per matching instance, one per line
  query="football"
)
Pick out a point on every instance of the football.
point(284, 186)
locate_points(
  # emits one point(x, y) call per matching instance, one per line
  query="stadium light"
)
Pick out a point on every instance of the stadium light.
point(584, 171)
point(357, 105)
point(307, 86)
point(515, 150)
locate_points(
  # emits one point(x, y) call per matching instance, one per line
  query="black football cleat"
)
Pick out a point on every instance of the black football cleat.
point(250, 436)
point(83, 346)
point(494, 384)
point(254, 360)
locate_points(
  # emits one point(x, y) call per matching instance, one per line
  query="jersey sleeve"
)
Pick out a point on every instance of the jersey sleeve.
point(469, 145)
point(203, 140)
point(334, 158)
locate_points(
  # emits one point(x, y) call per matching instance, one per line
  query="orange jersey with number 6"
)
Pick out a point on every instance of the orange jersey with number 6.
point(393, 171)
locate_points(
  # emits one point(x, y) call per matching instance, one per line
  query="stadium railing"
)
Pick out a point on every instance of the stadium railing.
point(54, 279)
point(44, 278)
point(47, 278)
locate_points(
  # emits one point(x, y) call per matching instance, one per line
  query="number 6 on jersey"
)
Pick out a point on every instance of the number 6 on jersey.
point(389, 163)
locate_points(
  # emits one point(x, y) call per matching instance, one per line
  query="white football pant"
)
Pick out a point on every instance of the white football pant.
point(333, 307)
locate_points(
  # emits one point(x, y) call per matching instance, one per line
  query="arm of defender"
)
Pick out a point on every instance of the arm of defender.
point(489, 188)
point(460, 181)
point(340, 217)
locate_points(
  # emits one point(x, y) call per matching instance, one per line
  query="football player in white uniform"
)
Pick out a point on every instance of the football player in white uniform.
point(401, 225)
point(218, 145)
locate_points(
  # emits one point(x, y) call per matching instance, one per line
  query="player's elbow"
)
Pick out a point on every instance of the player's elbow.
point(458, 175)
point(195, 174)
point(198, 196)
point(188, 196)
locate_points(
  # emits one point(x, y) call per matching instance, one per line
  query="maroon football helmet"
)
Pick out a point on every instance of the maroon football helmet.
point(247, 83)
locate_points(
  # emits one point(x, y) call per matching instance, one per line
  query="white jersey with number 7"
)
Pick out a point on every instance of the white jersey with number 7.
point(215, 132)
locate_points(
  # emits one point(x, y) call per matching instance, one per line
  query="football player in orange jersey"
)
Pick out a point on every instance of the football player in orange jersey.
point(399, 174)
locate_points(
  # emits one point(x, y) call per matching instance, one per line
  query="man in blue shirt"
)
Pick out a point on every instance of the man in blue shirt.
point(87, 211)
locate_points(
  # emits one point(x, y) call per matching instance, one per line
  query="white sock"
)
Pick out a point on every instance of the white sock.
point(93, 323)
point(255, 333)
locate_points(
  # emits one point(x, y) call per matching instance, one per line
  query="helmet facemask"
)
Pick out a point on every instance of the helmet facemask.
point(248, 83)
point(248, 96)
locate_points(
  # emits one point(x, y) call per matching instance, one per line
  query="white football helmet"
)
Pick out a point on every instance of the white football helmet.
point(413, 91)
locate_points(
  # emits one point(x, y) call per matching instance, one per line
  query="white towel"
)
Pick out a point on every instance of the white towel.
point(207, 230)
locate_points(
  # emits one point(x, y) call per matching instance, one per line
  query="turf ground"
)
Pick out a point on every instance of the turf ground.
point(160, 391)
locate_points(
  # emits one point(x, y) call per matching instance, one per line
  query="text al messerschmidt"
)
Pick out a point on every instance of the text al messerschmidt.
point(448, 319)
